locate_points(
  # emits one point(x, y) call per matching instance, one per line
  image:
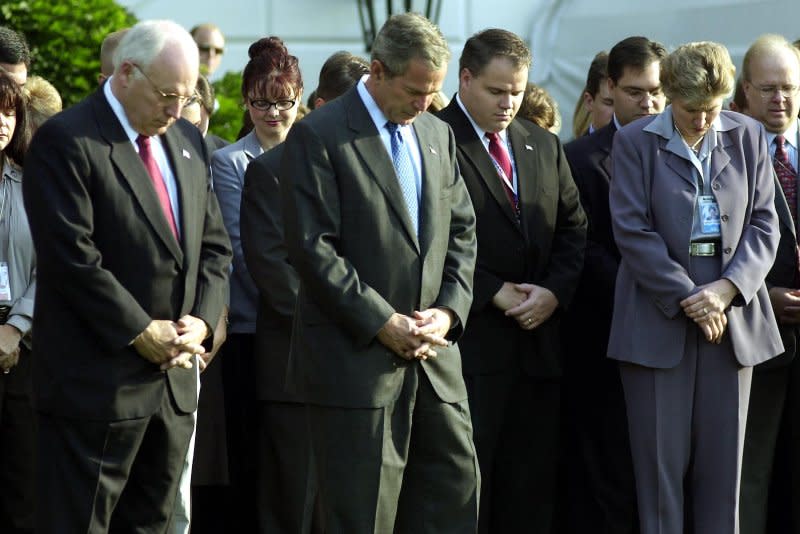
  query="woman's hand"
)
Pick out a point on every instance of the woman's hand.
point(707, 307)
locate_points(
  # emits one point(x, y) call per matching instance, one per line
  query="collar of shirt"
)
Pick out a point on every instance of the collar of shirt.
point(616, 122)
point(406, 130)
point(157, 147)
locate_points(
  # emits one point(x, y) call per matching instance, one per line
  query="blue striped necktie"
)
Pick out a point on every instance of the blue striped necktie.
point(404, 168)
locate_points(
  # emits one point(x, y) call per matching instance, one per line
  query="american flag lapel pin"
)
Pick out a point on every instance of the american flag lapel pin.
point(433, 150)
point(186, 154)
point(528, 147)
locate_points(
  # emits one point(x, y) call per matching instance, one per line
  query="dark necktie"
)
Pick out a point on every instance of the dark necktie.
point(500, 156)
point(787, 175)
point(146, 153)
point(404, 168)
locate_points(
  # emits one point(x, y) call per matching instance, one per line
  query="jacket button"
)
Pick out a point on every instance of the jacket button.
point(727, 250)
point(724, 218)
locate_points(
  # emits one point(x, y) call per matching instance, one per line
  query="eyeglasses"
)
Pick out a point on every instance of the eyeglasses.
point(637, 95)
point(168, 98)
point(218, 50)
point(264, 105)
point(768, 91)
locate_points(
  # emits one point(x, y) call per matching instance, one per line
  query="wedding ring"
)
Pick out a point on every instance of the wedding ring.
point(705, 311)
point(528, 321)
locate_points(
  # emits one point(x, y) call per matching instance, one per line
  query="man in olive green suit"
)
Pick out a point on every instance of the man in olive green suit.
point(380, 229)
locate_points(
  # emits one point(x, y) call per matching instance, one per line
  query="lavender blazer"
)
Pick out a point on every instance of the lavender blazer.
point(652, 200)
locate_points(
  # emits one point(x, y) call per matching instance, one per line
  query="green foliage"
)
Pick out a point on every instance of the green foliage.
point(65, 37)
point(227, 120)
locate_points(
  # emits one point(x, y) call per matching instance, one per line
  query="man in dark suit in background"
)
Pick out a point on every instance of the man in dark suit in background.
point(287, 486)
point(380, 230)
point(531, 235)
point(133, 263)
point(600, 477)
point(770, 484)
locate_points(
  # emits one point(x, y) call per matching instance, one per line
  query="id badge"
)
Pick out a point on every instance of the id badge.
point(709, 214)
point(5, 286)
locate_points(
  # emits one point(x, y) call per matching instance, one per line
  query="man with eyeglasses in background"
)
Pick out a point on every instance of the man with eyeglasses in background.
point(601, 486)
point(770, 486)
point(211, 45)
point(132, 271)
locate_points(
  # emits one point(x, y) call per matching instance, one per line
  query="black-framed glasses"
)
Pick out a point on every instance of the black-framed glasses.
point(262, 104)
point(218, 50)
point(167, 98)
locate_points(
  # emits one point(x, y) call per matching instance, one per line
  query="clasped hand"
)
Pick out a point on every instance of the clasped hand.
point(707, 308)
point(172, 344)
point(415, 337)
point(530, 305)
point(9, 347)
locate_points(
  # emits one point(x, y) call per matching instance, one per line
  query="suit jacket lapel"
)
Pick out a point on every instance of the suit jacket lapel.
point(130, 168)
point(431, 178)
point(605, 143)
point(720, 157)
point(526, 157)
point(377, 161)
point(180, 160)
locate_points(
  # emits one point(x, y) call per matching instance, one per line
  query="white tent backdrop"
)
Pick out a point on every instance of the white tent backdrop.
point(563, 34)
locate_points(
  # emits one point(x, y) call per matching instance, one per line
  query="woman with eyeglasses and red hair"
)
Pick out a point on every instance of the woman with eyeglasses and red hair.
point(272, 89)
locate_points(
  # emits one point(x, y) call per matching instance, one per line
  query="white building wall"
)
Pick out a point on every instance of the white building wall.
point(564, 34)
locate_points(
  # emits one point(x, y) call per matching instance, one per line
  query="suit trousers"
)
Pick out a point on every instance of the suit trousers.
point(408, 467)
point(17, 447)
point(287, 482)
point(517, 426)
point(111, 476)
point(767, 398)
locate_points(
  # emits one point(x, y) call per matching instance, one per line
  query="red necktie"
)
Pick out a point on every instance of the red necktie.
point(500, 156)
point(787, 176)
point(146, 153)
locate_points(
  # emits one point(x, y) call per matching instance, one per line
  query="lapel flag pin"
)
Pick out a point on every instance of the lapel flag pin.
point(186, 154)
point(528, 147)
point(433, 150)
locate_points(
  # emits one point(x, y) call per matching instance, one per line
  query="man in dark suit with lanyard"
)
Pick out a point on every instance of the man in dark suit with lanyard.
point(598, 430)
point(380, 230)
point(133, 263)
point(531, 235)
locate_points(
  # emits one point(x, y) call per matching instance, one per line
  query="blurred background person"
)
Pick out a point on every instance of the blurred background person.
point(539, 107)
point(43, 100)
point(771, 465)
point(692, 203)
point(739, 100)
point(17, 289)
point(594, 108)
point(286, 476)
point(15, 57)
point(600, 485)
point(198, 111)
point(107, 49)
point(211, 45)
point(272, 89)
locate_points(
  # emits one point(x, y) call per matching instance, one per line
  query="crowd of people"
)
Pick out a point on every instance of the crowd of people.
point(386, 310)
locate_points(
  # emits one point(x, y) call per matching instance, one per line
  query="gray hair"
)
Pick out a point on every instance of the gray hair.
point(144, 41)
point(408, 36)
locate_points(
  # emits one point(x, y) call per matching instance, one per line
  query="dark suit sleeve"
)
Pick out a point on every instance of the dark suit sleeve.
point(569, 237)
point(262, 239)
point(312, 215)
point(600, 265)
point(459, 266)
point(214, 266)
point(58, 198)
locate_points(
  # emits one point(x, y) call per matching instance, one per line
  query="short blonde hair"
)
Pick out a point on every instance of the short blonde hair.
point(43, 100)
point(698, 72)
